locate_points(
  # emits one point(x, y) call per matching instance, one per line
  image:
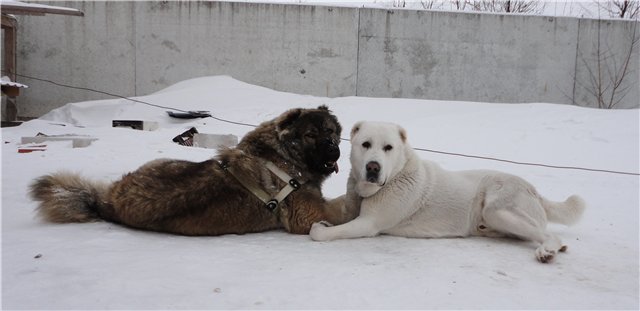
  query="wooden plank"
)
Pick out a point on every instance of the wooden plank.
point(10, 27)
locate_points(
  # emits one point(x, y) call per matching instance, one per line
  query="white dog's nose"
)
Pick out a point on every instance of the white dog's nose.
point(373, 168)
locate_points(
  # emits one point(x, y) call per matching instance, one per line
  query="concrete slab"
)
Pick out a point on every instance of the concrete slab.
point(466, 56)
point(300, 49)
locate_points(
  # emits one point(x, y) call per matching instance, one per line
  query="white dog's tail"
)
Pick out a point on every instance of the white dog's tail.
point(567, 212)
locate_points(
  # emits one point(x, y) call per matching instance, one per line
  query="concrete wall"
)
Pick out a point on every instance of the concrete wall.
point(610, 55)
point(95, 51)
point(303, 49)
point(135, 48)
point(474, 57)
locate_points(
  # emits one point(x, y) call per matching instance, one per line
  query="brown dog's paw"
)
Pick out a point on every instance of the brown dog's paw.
point(325, 223)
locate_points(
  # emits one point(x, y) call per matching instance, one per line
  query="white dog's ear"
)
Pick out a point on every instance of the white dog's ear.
point(355, 128)
point(403, 134)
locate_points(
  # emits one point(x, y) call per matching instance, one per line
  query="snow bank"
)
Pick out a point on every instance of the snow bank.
point(105, 266)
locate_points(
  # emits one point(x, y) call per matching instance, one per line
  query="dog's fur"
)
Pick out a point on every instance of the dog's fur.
point(191, 198)
point(400, 194)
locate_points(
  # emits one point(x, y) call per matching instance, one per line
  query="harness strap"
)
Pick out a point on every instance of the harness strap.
point(291, 182)
point(249, 184)
point(271, 203)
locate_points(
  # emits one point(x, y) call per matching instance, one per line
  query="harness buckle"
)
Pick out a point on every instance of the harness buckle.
point(294, 183)
point(272, 205)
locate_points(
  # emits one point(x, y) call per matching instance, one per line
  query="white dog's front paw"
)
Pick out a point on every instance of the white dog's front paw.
point(320, 231)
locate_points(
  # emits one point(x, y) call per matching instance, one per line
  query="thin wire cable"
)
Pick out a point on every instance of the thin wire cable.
point(127, 98)
point(528, 163)
point(96, 91)
point(344, 139)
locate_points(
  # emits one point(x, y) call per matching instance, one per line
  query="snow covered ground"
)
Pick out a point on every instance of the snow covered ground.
point(106, 266)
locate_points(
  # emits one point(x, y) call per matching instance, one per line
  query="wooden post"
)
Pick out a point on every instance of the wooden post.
point(10, 28)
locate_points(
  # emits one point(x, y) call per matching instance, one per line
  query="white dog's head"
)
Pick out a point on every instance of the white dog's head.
point(378, 153)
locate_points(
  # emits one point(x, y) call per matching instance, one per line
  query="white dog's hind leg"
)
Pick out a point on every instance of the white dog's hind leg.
point(512, 206)
point(357, 228)
point(511, 223)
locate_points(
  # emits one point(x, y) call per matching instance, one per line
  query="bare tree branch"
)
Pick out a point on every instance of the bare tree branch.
point(503, 6)
point(607, 71)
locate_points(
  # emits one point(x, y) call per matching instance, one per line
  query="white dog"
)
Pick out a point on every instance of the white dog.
point(400, 194)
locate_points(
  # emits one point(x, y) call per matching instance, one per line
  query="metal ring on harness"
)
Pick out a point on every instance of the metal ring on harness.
point(272, 205)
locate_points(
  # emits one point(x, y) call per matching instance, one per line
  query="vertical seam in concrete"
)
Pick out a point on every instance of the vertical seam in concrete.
point(357, 52)
point(135, 48)
point(575, 65)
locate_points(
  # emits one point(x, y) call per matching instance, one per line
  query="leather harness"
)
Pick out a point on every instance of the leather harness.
point(270, 203)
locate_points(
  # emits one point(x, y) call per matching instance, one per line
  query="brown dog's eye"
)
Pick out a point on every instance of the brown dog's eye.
point(387, 148)
point(310, 135)
point(366, 145)
point(328, 131)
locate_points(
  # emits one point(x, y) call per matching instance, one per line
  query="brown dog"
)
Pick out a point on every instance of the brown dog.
point(209, 198)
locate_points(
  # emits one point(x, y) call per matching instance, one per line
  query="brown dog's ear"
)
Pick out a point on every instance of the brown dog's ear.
point(323, 107)
point(287, 118)
point(355, 128)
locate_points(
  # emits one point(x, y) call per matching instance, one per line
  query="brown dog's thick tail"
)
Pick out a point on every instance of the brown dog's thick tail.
point(66, 197)
point(567, 213)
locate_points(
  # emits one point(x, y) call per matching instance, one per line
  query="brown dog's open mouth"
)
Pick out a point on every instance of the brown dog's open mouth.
point(332, 166)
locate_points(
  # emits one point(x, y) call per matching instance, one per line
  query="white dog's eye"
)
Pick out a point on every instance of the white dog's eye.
point(387, 148)
point(366, 145)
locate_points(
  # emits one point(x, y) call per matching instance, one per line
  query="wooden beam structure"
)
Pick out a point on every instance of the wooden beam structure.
point(21, 8)
point(10, 28)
